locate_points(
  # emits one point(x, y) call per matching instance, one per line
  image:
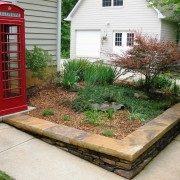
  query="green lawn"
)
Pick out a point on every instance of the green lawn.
point(4, 176)
point(144, 109)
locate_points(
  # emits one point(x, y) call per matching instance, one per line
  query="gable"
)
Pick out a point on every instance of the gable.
point(76, 7)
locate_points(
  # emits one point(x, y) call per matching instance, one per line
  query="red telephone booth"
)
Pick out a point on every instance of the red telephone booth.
point(12, 59)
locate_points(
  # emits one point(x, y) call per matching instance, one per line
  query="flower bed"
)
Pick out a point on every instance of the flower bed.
point(58, 102)
point(73, 109)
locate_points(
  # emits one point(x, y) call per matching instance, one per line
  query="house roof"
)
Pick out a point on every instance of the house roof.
point(69, 18)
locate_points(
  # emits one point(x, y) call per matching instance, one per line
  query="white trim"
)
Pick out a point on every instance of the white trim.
point(73, 10)
point(69, 17)
point(58, 53)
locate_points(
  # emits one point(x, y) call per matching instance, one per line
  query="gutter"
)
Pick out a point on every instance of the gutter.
point(58, 51)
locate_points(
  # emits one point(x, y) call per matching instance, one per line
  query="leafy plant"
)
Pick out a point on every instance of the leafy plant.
point(94, 117)
point(99, 74)
point(73, 72)
point(110, 113)
point(149, 57)
point(48, 112)
point(66, 118)
point(108, 133)
point(37, 61)
point(81, 104)
point(148, 108)
point(69, 80)
point(4, 176)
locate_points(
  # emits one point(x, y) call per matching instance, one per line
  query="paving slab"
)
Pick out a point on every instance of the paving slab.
point(177, 138)
point(4, 126)
point(10, 137)
point(37, 160)
point(166, 166)
point(27, 158)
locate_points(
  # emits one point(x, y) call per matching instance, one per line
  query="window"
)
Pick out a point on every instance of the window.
point(106, 3)
point(130, 39)
point(118, 2)
point(118, 39)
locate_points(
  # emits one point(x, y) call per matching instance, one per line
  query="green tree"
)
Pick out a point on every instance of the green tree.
point(67, 6)
point(168, 6)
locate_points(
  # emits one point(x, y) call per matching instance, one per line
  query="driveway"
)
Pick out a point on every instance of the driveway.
point(27, 158)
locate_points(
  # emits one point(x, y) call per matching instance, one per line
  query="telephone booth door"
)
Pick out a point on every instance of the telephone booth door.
point(12, 60)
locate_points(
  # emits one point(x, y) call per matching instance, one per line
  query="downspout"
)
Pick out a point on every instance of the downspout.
point(58, 54)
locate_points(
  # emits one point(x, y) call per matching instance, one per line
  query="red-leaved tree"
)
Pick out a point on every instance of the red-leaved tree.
point(148, 56)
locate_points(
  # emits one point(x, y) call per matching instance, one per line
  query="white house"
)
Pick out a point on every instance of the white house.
point(99, 26)
point(43, 25)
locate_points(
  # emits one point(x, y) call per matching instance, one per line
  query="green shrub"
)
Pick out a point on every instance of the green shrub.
point(73, 72)
point(48, 112)
point(176, 89)
point(4, 176)
point(37, 61)
point(110, 113)
point(66, 118)
point(99, 74)
point(163, 83)
point(108, 133)
point(81, 104)
point(69, 80)
point(94, 117)
point(148, 108)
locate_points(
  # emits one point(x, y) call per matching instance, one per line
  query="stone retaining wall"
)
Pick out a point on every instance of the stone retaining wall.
point(126, 157)
point(119, 166)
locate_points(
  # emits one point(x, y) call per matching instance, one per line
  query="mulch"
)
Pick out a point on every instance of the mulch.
point(59, 100)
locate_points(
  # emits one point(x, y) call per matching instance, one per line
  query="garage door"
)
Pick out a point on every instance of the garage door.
point(88, 44)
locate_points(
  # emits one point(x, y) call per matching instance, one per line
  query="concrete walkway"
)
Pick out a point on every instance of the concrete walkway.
point(26, 158)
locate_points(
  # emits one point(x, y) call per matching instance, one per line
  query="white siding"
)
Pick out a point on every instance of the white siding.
point(134, 15)
point(41, 24)
point(169, 31)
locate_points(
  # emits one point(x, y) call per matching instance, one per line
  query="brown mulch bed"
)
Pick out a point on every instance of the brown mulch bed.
point(59, 100)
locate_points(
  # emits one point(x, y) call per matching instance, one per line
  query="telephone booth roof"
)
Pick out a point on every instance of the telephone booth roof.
point(10, 8)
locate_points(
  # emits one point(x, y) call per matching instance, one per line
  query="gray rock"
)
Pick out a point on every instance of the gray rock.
point(117, 107)
point(140, 96)
point(107, 106)
point(104, 107)
point(95, 107)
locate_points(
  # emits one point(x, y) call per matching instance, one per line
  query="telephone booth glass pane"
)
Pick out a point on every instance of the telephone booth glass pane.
point(11, 60)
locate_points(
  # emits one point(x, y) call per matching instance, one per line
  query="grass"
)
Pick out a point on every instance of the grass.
point(48, 112)
point(4, 176)
point(145, 109)
point(108, 133)
point(91, 73)
point(95, 117)
point(66, 118)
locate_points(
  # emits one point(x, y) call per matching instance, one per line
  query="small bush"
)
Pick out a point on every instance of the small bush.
point(149, 57)
point(48, 112)
point(37, 61)
point(108, 133)
point(99, 74)
point(81, 104)
point(69, 80)
point(73, 72)
point(66, 118)
point(163, 83)
point(110, 113)
point(94, 117)
point(4, 176)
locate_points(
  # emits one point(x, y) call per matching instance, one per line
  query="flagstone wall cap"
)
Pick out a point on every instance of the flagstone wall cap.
point(129, 148)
